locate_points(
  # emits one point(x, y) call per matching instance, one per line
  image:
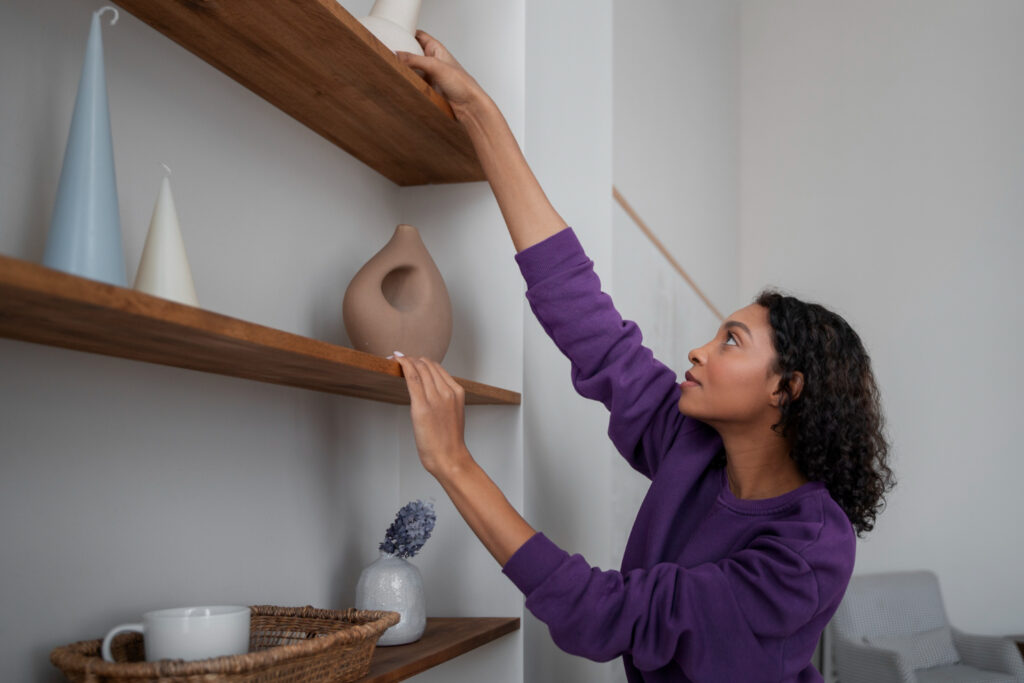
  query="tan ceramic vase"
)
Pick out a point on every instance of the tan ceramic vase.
point(398, 301)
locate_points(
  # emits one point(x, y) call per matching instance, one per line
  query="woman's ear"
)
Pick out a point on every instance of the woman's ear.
point(796, 386)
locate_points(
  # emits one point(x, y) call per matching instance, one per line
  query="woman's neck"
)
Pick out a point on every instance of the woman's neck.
point(759, 468)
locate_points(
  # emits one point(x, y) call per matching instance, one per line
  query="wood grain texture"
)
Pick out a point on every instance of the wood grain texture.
point(317, 63)
point(444, 639)
point(46, 306)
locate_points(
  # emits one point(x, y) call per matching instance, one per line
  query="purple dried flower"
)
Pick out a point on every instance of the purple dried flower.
point(410, 530)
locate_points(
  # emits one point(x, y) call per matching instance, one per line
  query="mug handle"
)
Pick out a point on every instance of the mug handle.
point(113, 632)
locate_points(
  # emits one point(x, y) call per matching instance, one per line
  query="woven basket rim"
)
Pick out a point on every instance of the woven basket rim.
point(371, 624)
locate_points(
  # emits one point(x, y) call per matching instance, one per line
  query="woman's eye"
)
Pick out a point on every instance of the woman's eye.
point(728, 336)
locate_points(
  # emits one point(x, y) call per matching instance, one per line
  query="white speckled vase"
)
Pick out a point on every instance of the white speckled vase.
point(396, 585)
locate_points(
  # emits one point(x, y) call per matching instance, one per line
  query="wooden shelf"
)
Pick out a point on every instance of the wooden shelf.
point(46, 306)
point(317, 63)
point(442, 640)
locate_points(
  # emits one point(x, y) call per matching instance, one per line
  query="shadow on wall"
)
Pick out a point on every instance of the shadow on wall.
point(45, 150)
point(354, 463)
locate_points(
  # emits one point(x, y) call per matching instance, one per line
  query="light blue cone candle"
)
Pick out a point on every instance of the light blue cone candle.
point(85, 231)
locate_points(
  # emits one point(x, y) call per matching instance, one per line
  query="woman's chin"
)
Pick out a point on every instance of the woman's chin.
point(684, 409)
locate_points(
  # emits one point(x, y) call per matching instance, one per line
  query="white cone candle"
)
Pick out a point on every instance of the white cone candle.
point(163, 269)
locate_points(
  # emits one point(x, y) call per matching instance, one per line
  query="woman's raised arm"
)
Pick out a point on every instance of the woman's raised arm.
point(529, 215)
point(609, 362)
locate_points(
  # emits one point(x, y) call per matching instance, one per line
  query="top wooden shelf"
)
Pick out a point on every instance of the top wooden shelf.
point(317, 63)
point(46, 306)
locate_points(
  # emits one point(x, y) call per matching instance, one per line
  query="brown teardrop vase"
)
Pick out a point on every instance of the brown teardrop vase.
point(398, 301)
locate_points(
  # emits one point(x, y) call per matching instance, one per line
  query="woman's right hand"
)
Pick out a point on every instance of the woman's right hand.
point(524, 206)
point(446, 74)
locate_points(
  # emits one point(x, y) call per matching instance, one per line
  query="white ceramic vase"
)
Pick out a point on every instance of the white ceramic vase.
point(395, 585)
point(394, 24)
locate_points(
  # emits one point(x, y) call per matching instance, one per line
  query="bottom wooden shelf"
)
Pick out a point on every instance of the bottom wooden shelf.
point(444, 639)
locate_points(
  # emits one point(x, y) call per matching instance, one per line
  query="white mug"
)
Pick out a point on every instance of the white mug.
point(189, 633)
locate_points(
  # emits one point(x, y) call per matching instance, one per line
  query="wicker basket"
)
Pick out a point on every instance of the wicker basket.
point(286, 644)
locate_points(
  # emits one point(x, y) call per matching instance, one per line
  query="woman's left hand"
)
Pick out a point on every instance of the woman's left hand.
point(438, 414)
point(438, 420)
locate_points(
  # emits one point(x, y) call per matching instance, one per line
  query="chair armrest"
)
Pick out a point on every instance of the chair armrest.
point(857, 663)
point(989, 652)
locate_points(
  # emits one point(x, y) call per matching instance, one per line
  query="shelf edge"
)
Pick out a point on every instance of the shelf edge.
point(47, 306)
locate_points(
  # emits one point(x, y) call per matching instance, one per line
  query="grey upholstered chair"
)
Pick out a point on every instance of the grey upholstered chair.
point(892, 628)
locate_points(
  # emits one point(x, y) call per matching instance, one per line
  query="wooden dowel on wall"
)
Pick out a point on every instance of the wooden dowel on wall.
point(661, 247)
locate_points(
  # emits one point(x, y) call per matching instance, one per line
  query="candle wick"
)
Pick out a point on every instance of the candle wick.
point(167, 167)
point(112, 9)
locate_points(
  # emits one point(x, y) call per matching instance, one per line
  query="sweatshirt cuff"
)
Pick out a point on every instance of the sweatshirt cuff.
point(550, 255)
point(534, 562)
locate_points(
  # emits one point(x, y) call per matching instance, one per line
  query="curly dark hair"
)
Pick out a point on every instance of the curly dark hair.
point(836, 422)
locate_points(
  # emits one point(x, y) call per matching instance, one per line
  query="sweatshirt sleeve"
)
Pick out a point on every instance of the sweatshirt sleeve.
point(718, 621)
point(609, 362)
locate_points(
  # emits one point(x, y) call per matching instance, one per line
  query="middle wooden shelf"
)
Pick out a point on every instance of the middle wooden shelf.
point(46, 306)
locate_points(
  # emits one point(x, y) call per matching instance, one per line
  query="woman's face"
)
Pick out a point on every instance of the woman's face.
point(732, 369)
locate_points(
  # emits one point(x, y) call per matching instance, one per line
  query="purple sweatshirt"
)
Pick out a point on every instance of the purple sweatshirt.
point(712, 587)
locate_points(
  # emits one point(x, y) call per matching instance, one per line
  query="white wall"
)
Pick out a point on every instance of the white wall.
point(676, 75)
point(126, 486)
point(882, 164)
point(567, 142)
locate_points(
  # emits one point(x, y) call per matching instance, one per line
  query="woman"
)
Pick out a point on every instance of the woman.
point(764, 465)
